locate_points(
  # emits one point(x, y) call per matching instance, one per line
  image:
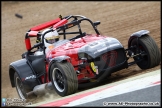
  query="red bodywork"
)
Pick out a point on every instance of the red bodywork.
point(68, 49)
point(71, 49)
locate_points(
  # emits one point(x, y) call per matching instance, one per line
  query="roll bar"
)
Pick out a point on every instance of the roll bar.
point(59, 24)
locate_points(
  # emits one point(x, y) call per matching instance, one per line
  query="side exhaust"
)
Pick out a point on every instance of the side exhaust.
point(40, 89)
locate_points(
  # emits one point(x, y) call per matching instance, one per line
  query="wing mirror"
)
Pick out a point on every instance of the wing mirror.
point(96, 23)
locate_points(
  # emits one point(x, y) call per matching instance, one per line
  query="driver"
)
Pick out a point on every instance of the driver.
point(49, 40)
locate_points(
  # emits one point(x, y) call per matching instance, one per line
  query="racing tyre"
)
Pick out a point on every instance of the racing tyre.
point(21, 90)
point(64, 78)
point(19, 86)
point(151, 55)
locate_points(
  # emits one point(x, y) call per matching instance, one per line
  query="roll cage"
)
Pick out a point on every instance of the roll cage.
point(59, 24)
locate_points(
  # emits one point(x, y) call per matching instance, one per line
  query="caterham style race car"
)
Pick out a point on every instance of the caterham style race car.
point(62, 63)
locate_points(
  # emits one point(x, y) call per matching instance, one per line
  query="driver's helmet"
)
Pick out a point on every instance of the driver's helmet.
point(50, 37)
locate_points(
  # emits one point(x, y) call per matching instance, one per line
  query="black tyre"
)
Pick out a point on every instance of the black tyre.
point(20, 88)
point(149, 48)
point(64, 78)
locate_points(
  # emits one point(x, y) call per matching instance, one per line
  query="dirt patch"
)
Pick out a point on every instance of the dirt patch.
point(118, 19)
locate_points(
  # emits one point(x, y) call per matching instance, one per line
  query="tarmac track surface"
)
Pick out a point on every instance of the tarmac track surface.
point(118, 19)
point(140, 90)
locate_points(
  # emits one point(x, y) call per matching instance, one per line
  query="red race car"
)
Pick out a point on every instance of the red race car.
point(64, 64)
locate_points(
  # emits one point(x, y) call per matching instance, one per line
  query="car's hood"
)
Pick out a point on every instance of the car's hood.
point(93, 45)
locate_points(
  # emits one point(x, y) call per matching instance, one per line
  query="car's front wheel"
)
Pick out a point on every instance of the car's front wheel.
point(150, 54)
point(64, 78)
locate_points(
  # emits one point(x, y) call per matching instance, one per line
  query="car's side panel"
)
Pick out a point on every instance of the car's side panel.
point(24, 72)
point(110, 70)
point(110, 59)
point(37, 63)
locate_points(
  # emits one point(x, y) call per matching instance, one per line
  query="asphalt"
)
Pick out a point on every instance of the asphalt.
point(142, 88)
point(145, 96)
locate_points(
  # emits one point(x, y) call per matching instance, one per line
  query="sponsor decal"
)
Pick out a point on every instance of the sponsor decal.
point(94, 68)
point(30, 77)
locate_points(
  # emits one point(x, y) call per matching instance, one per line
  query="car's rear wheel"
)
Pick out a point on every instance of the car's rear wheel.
point(22, 92)
point(64, 78)
point(150, 54)
point(19, 86)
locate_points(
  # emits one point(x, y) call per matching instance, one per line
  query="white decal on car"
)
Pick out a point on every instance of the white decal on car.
point(30, 77)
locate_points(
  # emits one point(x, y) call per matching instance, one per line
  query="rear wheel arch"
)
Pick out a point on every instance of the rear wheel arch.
point(11, 75)
point(23, 71)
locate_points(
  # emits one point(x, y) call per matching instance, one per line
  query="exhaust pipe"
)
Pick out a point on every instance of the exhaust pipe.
point(40, 89)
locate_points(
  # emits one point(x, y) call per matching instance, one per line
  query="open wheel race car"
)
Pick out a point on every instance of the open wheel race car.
point(63, 64)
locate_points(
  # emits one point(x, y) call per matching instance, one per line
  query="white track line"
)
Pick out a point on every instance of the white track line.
point(118, 89)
